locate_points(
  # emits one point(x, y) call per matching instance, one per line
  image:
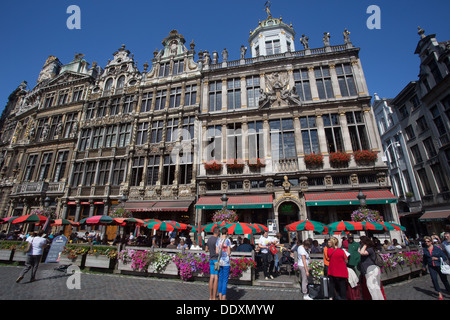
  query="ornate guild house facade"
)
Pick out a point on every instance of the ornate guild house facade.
point(286, 134)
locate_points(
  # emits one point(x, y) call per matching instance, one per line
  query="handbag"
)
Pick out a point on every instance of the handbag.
point(273, 249)
point(445, 268)
point(217, 263)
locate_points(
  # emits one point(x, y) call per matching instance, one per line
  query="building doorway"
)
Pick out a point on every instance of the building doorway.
point(288, 212)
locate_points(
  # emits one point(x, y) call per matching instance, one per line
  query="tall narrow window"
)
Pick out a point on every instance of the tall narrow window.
point(282, 139)
point(190, 95)
point(186, 168)
point(56, 120)
point(114, 108)
point(45, 166)
point(60, 166)
point(187, 131)
point(137, 170)
point(101, 109)
point(120, 85)
point(168, 171)
point(214, 148)
point(178, 67)
point(152, 170)
point(128, 105)
point(146, 101)
point(111, 136)
point(323, 82)
point(89, 175)
point(62, 98)
point(90, 110)
point(124, 135)
point(234, 94)
point(215, 96)
point(97, 137)
point(71, 120)
point(416, 154)
point(40, 127)
point(345, 79)
point(273, 47)
point(31, 164)
point(302, 84)
point(119, 166)
point(48, 102)
point(77, 94)
point(157, 128)
point(426, 187)
point(234, 141)
point(175, 98)
point(160, 99)
point(255, 140)
point(103, 172)
point(333, 132)
point(78, 169)
point(172, 132)
point(108, 87)
point(142, 133)
point(309, 134)
point(440, 177)
point(357, 130)
point(253, 86)
point(429, 147)
point(164, 69)
point(84, 139)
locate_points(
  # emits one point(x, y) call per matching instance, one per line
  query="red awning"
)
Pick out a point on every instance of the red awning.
point(138, 206)
point(258, 201)
point(381, 196)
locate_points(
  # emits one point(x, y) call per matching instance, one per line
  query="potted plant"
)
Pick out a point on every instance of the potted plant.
point(339, 159)
point(365, 156)
point(74, 254)
point(121, 213)
point(213, 166)
point(255, 163)
point(162, 263)
point(241, 268)
point(20, 253)
point(366, 214)
point(7, 249)
point(101, 257)
point(235, 164)
point(313, 160)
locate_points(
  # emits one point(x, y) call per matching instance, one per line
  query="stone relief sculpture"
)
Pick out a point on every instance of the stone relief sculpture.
point(278, 91)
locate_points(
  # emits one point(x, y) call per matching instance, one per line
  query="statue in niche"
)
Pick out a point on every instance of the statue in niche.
point(286, 185)
point(173, 47)
point(45, 132)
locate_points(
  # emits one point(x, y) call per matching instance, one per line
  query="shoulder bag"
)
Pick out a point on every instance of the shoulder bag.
point(216, 264)
point(29, 246)
point(445, 268)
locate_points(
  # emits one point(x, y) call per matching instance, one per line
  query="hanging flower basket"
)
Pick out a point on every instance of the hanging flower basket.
point(339, 158)
point(256, 163)
point(121, 213)
point(213, 165)
point(365, 156)
point(366, 214)
point(237, 164)
point(225, 215)
point(46, 212)
point(313, 159)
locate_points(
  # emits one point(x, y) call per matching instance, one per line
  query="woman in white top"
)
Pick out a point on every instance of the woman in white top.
point(303, 263)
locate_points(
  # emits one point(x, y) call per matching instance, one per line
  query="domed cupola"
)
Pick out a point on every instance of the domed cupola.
point(272, 36)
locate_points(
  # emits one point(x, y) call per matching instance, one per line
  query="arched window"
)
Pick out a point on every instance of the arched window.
point(120, 84)
point(108, 86)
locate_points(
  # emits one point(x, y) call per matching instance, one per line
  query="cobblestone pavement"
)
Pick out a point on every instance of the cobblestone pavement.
point(52, 285)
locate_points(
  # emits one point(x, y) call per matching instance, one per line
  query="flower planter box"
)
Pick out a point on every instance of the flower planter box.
point(99, 261)
point(6, 254)
point(19, 256)
point(124, 266)
point(170, 269)
point(78, 261)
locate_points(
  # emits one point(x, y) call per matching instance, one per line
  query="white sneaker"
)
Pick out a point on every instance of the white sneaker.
point(271, 277)
point(266, 278)
point(307, 297)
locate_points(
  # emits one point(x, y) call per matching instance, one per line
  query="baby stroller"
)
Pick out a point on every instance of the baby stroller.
point(286, 261)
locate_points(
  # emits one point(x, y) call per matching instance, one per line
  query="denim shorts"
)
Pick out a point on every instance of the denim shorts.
point(211, 267)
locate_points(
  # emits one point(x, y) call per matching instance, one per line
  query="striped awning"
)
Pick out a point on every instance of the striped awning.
point(348, 198)
point(163, 205)
point(259, 201)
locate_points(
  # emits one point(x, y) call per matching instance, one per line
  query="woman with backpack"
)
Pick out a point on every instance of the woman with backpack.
point(369, 269)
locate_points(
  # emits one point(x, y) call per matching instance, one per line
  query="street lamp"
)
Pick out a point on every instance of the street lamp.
point(224, 200)
point(362, 199)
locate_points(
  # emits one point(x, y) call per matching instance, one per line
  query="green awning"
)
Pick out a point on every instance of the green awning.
point(348, 198)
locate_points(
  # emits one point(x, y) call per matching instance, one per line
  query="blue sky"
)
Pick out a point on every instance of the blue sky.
point(30, 31)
